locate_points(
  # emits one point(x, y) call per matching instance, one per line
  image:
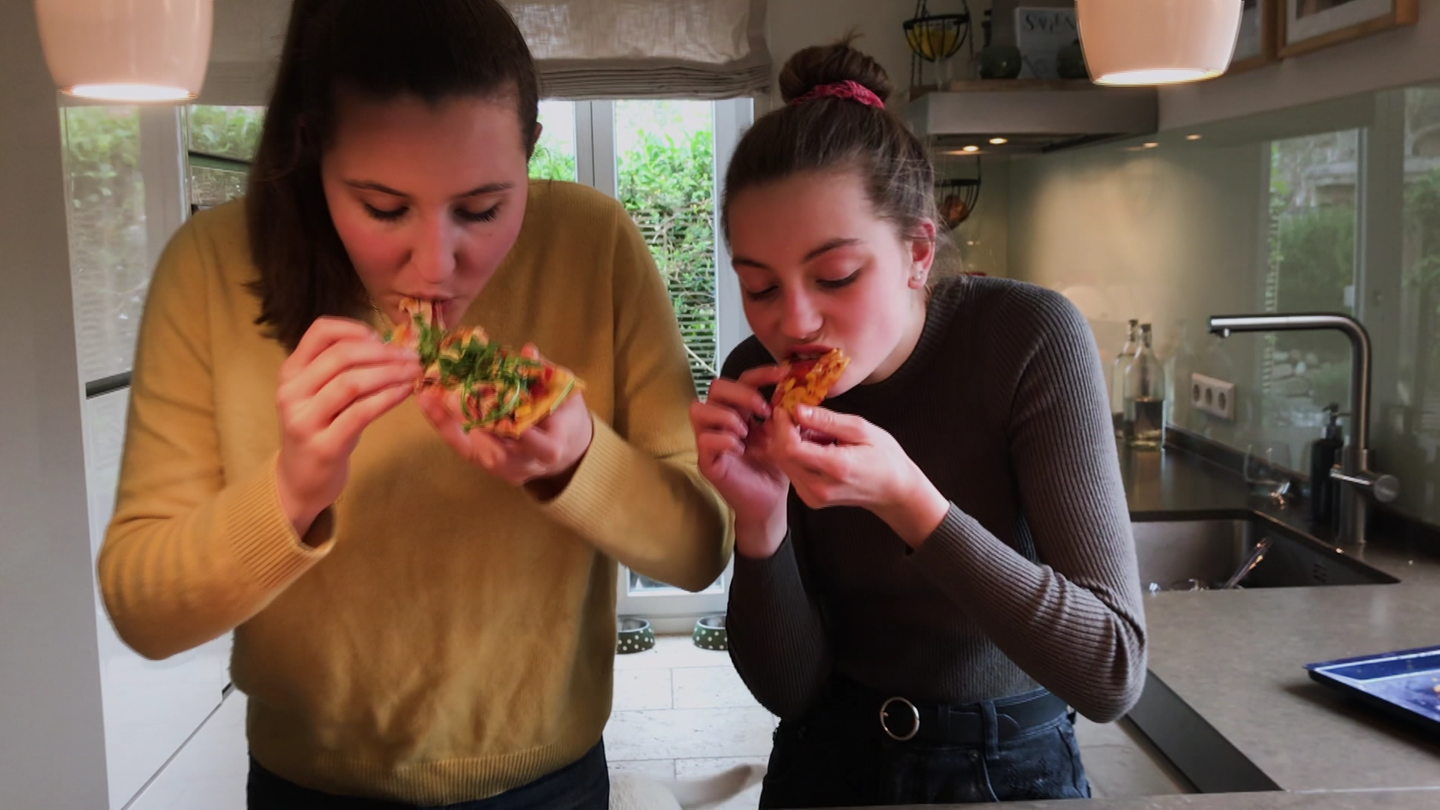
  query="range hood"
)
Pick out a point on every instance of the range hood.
point(1031, 116)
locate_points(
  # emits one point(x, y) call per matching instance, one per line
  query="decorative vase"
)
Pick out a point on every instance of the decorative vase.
point(1070, 62)
point(1000, 62)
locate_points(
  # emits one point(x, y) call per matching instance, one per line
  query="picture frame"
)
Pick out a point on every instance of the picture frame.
point(1040, 32)
point(1259, 41)
point(1308, 25)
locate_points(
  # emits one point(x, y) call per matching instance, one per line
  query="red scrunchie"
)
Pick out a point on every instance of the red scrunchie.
point(846, 89)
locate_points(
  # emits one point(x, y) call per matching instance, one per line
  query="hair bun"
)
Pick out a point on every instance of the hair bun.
point(827, 64)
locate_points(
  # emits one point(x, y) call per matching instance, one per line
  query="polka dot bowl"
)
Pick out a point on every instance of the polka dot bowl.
point(636, 635)
point(710, 633)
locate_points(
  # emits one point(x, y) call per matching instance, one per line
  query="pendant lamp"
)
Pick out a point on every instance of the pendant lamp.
point(127, 50)
point(1149, 42)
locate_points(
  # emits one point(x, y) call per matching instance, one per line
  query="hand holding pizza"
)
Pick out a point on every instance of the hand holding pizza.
point(859, 465)
point(544, 456)
point(732, 436)
point(340, 378)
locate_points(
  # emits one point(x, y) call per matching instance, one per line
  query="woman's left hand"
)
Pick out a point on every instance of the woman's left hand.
point(864, 467)
point(543, 457)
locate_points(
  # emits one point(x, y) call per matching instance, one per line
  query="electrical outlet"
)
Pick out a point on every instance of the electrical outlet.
point(1215, 397)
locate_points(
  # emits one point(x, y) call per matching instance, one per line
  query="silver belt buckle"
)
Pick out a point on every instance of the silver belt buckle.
point(885, 715)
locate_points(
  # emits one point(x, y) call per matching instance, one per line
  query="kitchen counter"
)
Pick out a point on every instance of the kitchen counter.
point(1236, 658)
point(1364, 800)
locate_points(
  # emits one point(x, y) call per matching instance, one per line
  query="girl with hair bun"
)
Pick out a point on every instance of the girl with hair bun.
point(937, 565)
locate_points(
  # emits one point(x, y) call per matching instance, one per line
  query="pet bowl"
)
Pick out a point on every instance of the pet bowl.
point(710, 633)
point(635, 636)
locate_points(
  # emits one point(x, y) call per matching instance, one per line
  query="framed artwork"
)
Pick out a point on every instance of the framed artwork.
point(1306, 25)
point(1040, 32)
point(1259, 42)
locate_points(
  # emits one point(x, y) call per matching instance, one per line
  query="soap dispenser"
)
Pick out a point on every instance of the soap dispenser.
point(1325, 454)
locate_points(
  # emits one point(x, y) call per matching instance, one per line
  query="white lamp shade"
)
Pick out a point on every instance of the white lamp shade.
point(1140, 42)
point(127, 50)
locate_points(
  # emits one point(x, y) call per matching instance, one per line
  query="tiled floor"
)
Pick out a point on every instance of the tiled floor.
point(680, 713)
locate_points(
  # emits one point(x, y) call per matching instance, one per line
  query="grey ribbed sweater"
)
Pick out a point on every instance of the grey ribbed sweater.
point(1031, 578)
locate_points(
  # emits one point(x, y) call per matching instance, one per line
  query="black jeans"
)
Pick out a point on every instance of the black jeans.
point(838, 756)
point(581, 785)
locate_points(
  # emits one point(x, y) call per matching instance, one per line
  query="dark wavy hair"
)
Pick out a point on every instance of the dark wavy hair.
point(377, 50)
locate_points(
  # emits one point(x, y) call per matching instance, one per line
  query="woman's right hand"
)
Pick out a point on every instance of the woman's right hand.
point(732, 435)
point(339, 379)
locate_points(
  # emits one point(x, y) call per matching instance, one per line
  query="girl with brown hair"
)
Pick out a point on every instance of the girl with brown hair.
point(934, 566)
point(421, 616)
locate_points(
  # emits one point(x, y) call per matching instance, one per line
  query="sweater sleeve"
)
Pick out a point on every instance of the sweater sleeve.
point(191, 552)
point(638, 494)
point(777, 632)
point(1075, 621)
point(774, 622)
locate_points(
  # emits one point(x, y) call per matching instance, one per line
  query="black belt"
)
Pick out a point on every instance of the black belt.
point(905, 720)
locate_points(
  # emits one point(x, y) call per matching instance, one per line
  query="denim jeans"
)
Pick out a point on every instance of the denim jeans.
point(581, 785)
point(838, 756)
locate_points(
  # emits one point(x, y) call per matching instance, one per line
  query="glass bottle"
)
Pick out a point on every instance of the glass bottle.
point(1179, 367)
point(1117, 377)
point(1145, 397)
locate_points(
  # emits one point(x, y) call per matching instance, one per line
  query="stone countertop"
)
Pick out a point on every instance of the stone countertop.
point(1274, 800)
point(1237, 658)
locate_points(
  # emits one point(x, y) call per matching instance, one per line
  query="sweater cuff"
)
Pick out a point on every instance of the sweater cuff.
point(262, 537)
point(776, 573)
point(591, 494)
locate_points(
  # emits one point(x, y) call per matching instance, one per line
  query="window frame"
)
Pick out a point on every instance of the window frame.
point(596, 165)
point(166, 163)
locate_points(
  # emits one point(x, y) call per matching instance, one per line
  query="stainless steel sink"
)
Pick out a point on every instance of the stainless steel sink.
point(1198, 554)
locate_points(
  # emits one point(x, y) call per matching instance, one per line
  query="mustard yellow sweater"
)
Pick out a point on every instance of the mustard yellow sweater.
point(449, 637)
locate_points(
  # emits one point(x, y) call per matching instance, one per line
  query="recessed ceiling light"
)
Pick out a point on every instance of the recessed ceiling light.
point(998, 141)
point(1193, 137)
point(971, 148)
point(1151, 145)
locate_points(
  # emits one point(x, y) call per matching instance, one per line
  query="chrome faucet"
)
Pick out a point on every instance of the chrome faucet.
point(1358, 481)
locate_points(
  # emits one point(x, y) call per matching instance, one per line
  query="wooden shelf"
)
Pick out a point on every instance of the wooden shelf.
point(1006, 85)
point(1035, 115)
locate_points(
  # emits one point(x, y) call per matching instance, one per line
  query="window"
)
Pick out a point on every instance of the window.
point(109, 256)
point(220, 143)
point(1420, 279)
point(1310, 266)
point(662, 158)
point(123, 174)
point(665, 155)
point(555, 152)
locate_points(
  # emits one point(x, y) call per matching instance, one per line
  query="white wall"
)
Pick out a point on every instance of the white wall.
point(1396, 58)
point(1164, 236)
point(52, 746)
point(795, 24)
point(980, 244)
point(1174, 234)
point(245, 50)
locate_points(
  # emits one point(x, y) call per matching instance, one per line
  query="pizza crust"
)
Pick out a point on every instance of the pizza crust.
point(509, 396)
point(808, 383)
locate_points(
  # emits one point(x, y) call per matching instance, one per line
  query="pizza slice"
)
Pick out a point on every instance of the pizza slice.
point(489, 386)
point(808, 380)
point(422, 330)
